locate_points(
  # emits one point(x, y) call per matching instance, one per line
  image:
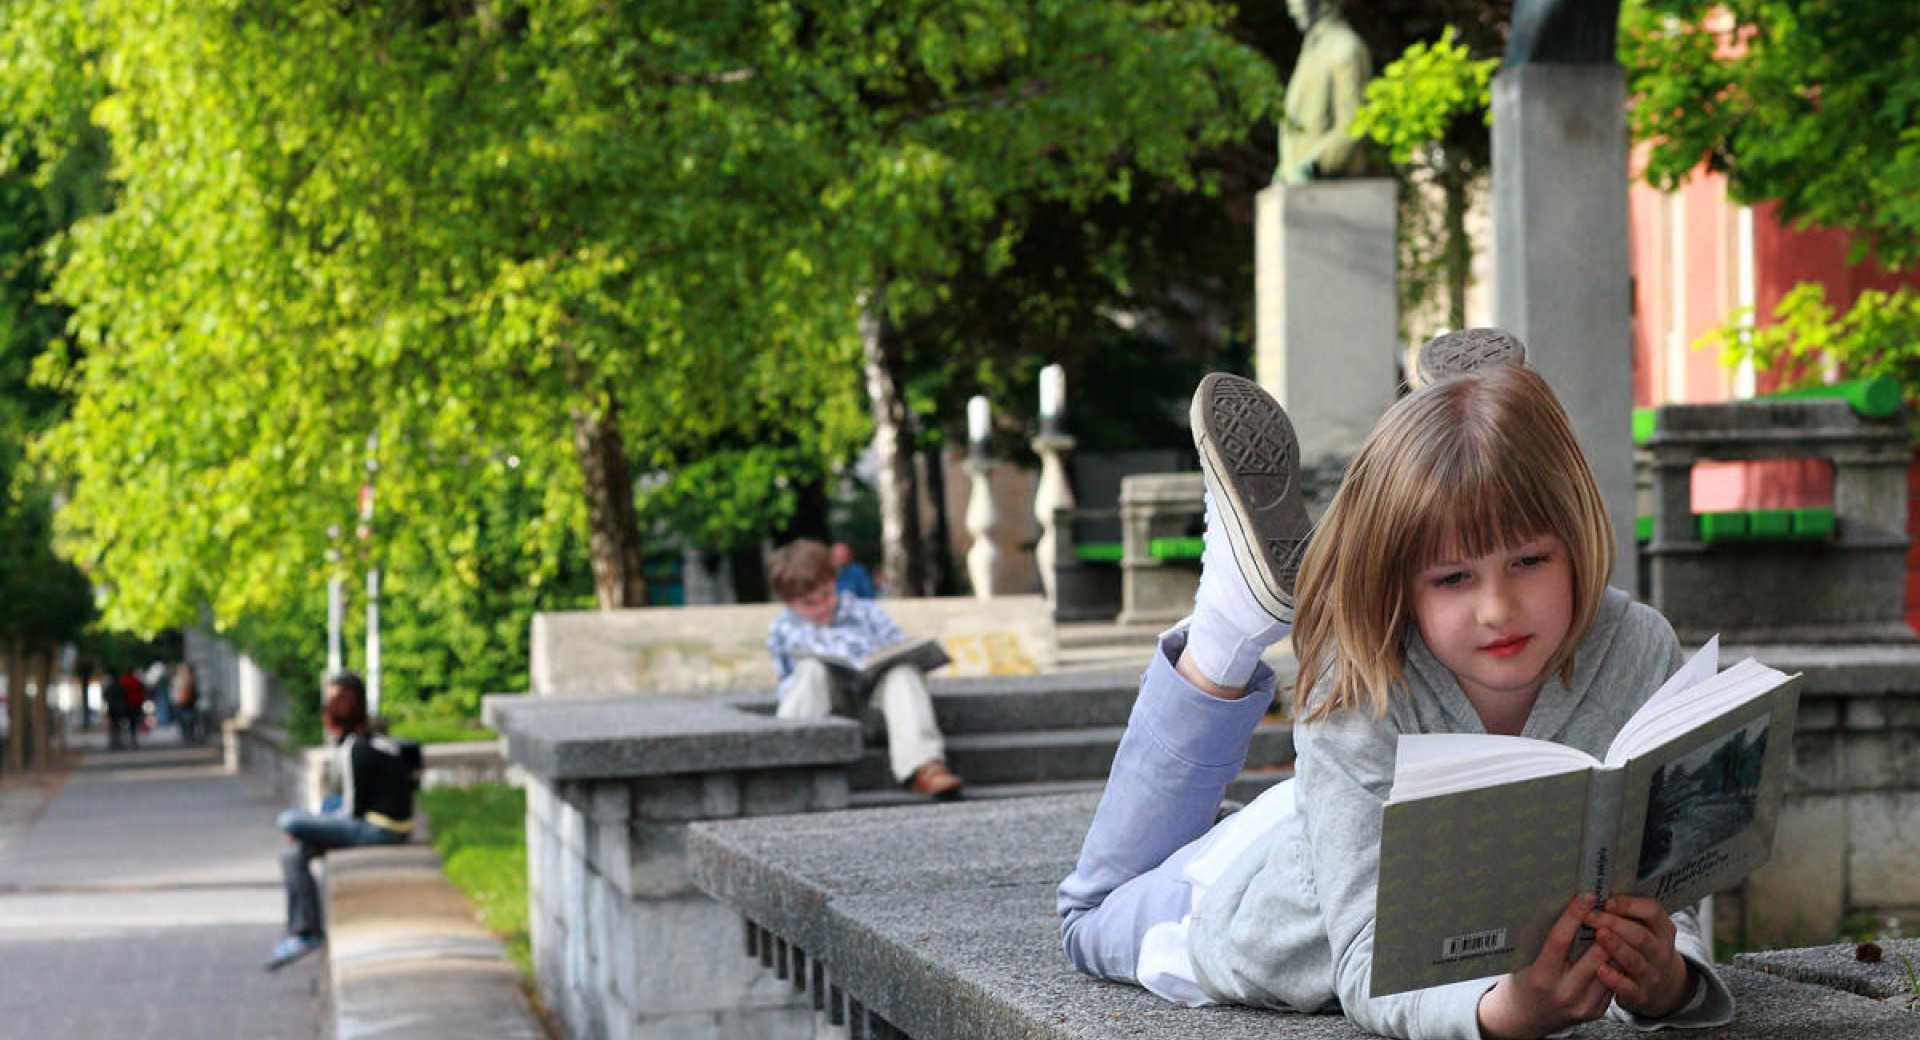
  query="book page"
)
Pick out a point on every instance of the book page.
point(1428, 764)
point(1655, 724)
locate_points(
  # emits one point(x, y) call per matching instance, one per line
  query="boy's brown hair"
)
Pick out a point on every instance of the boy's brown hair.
point(798, 568)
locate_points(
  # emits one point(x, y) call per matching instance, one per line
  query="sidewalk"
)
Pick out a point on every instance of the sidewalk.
point(138, 899)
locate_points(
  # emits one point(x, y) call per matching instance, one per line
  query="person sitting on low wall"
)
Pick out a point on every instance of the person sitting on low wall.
point(377, 776)
point(820, 620)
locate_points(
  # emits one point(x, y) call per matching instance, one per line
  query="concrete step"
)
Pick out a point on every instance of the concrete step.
point(1245, 788)
point(1051, 755)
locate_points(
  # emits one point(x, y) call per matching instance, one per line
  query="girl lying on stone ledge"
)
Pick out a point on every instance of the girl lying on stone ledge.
point(1457, 584)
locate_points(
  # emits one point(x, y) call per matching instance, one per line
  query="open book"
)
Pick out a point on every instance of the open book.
point(856, 678)
point(1484, 839)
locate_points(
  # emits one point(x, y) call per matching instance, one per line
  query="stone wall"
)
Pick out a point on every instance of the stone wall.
point(624, 945)
point(686, 649)
point(1848, 840)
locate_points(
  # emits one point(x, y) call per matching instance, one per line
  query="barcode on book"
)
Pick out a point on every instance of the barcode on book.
point(1473, 944)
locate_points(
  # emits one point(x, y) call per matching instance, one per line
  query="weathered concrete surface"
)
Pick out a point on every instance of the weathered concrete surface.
point(679, 650)
point(1891, 977)
point(940, 921)
point(408, 958)
point(662, 736)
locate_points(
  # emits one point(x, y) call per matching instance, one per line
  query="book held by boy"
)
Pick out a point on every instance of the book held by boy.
point(857, 678)
point(1484, 839)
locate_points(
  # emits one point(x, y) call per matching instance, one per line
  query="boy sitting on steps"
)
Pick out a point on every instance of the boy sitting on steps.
point(820, 620)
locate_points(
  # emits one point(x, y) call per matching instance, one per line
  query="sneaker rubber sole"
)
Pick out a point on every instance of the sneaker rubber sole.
point(1453, 354)
point(1251, 460)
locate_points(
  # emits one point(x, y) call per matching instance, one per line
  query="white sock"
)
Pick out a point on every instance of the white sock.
point(1229, 628)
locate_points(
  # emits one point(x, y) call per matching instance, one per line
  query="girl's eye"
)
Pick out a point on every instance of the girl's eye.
point(1534, 560)
point(1451, 579)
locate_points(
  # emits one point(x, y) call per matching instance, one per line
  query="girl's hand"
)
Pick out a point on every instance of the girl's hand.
point(1549, 994)
point(1643, 970)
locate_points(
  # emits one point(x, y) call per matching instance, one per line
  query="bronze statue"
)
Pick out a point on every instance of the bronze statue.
point(1563, 32)
point(1329, 82)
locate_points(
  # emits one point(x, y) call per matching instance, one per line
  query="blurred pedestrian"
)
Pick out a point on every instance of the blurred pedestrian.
point(850, 576)
point(186, 705)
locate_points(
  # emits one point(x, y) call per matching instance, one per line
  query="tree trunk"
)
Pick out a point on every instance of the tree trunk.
point(810, 514)
point(940, 570)
point(43, 708)
point(749, 571)
point(16, 709)
point(612, 526)
point(1457, 246)
point(903, 565)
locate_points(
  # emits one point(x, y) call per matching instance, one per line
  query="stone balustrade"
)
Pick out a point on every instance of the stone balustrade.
point(937, 923)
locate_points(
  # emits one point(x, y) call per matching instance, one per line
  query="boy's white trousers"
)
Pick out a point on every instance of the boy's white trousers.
point(913, 737)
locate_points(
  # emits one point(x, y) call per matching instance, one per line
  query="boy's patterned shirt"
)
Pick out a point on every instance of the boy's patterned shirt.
point(858, 628)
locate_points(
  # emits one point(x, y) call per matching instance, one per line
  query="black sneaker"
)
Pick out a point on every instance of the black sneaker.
point(1468, 350)
point(1251, 460)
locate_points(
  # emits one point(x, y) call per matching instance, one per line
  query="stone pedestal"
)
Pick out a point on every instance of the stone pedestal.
point(623, 944)
point(1561, 280)
point(1153, 506)
point(1326, 309)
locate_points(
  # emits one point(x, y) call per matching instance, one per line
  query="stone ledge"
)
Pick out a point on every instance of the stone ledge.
point(642, 735)
point(1840, 967)
point(939, 922)
point(407, 957)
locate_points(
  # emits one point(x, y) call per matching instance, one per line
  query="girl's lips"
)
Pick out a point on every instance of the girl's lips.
point(1508, 647)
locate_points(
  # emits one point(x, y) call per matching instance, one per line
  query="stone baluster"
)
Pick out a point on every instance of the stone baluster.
point(1054, 493)
point(983, 557)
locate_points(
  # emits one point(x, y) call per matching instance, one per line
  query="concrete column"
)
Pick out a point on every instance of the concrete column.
point(1326, 312)
point(252, 689)
point(1561, 279)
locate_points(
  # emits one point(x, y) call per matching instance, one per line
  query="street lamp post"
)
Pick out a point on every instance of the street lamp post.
point(373, 577)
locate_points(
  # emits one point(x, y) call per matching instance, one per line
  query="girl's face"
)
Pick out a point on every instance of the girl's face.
point(1496, 621)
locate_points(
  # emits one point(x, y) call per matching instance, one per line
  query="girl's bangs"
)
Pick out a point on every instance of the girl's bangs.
point(1480, 510)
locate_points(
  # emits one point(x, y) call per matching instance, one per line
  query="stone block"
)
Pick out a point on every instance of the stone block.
point(1865, 713)
point(1816, 762)
point(679, 650)
point(1883, 860)
point(1903, 711)
point(1325, 340)
point(567, 741)
point(1866, 762)
point(776, 792)
point(1818, 714)
point(1800, 896)
point(658, 867)
point(702, 971)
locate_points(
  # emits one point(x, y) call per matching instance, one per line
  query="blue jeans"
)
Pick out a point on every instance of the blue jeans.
point(312, 835)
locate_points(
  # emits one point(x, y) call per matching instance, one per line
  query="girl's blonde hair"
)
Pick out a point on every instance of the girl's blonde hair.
point(1469, 466)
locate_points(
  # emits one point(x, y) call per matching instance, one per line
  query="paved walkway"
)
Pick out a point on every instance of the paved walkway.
point(139, 895)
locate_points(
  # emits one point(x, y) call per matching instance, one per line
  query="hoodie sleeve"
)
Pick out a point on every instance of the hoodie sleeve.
point(1345, 769)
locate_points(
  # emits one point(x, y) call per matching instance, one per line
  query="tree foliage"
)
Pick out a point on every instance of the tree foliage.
point(1813, 105)
point(470, 229)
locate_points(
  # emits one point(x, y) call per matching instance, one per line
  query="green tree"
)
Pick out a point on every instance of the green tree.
point(533, 231)
point(1814, 106)
point(1430, 109)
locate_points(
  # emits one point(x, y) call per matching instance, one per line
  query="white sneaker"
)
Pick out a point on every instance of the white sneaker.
point(1257, 527)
